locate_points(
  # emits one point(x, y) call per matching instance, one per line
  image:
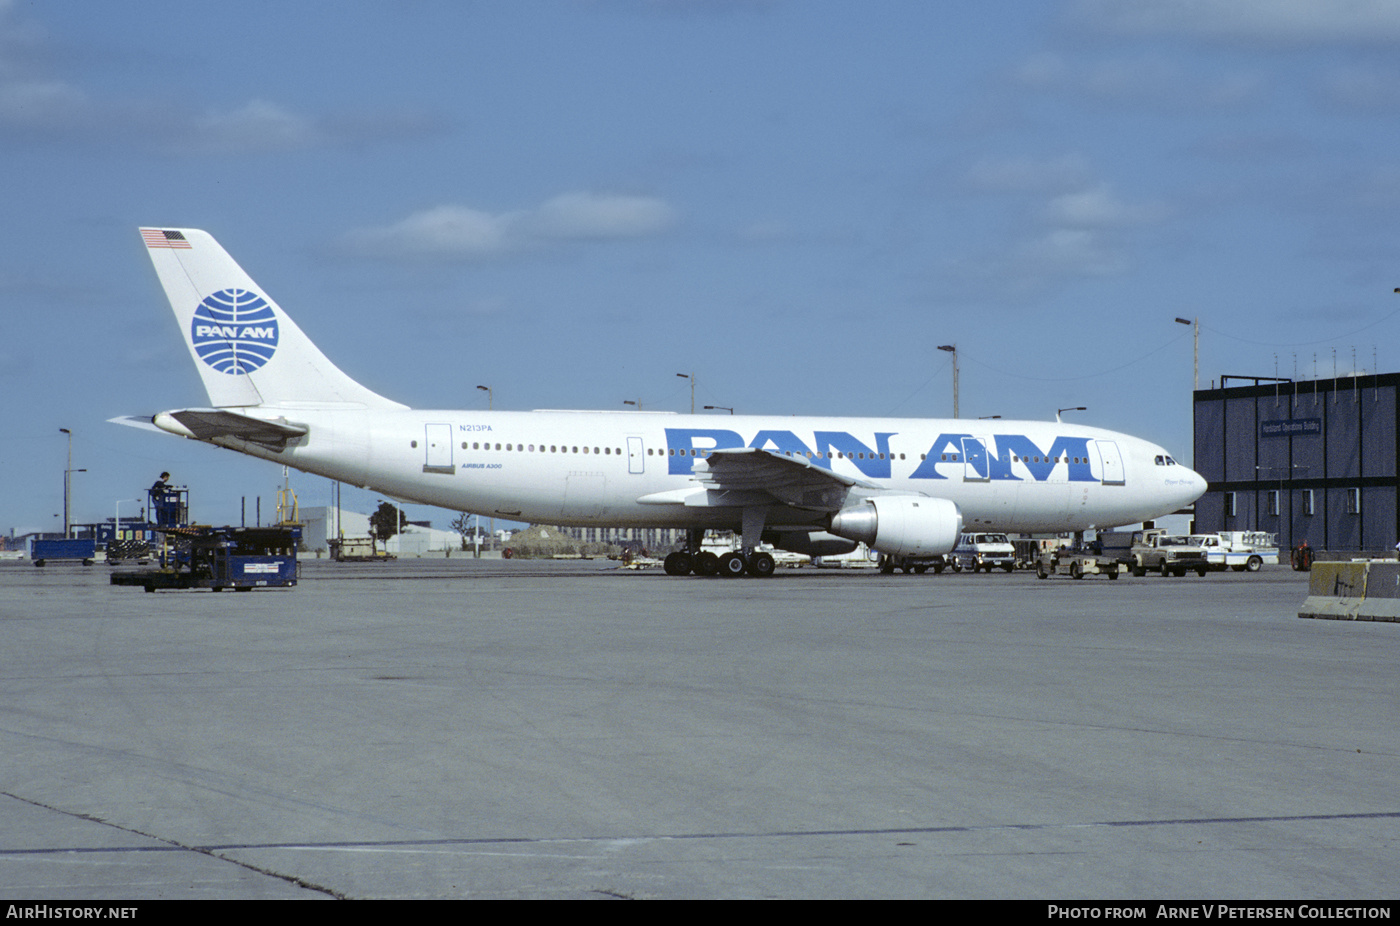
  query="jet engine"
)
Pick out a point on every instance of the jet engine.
point(902, 525)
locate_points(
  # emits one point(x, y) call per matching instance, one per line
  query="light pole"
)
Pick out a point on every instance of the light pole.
point(691, 377)
point(68, 472)
point(1196, 376)
point(1077, 408)
point(723, 408)
point(67, 469)
point(1196, 352)
point(953, 349)
point(490, 405)
point(637, 403)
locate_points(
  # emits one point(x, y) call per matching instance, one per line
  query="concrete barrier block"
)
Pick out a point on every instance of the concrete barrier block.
point(1353, 592)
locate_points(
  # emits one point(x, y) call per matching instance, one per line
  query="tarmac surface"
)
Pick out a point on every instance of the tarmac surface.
point(516, 729)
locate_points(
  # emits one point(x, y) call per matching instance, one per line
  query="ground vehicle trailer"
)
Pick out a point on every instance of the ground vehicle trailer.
point(1168, 554)
point(1239, 550)
point(888, 564)
point(983, 551)
point(357, 550)
point(1075, 563)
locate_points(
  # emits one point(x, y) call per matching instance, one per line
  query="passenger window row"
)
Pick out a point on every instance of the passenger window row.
point(531, 448)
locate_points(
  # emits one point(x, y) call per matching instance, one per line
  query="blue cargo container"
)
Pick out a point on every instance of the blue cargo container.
point(83, 548)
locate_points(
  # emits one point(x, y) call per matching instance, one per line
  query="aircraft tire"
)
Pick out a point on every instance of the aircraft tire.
point(732, 565)
point(761, 565)
point(705, 563)
point(677, 564)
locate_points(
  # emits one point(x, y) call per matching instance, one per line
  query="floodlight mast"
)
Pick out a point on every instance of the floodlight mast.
point(953, 349)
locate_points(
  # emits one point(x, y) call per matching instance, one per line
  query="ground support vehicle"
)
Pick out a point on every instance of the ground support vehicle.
point(357, 550)
point(888, 564)
point(1239, 550)
point(136, 549)
point(1028, 549)
point(1157, 551)
point(985, 551)
point(1075, 564)
point(241, 558)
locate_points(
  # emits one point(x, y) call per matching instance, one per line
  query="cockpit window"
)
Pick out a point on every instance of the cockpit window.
point(1160, 460)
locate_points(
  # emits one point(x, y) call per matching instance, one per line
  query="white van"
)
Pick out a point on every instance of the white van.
point(983, 551)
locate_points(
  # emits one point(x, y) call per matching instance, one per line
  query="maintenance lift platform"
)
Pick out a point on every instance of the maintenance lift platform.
point(216, 558)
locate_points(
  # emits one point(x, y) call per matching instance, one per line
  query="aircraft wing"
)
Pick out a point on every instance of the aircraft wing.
point(742, 476)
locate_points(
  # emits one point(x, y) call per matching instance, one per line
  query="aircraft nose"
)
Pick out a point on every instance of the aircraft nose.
point(1195, 486)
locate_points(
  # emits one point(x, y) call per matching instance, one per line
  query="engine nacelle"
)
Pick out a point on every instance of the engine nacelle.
point(902, 525)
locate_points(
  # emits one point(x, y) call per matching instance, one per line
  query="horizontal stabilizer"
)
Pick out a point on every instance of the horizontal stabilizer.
point(211, 424)
point(144, 422)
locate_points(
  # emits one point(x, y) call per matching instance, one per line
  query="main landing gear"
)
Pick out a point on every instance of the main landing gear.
point(733, 564)
point(729, 565)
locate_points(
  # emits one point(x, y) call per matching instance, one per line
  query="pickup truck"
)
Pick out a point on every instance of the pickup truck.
point(1171, 555)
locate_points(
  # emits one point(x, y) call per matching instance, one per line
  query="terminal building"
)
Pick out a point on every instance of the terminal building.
point(1311, 460)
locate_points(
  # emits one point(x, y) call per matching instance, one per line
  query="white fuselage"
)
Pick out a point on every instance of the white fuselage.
point(906, 487)
point(631, 468)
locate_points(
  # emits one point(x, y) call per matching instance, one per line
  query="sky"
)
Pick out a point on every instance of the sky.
point(796, 201)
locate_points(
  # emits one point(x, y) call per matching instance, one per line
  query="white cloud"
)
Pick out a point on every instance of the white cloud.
point(1096, 207)
point(1069, 252)
point(36, 105)
point(1059, 224)
point(1301, 22)
point(463, 233)
point(599, 216)
point(255, 126)
point(451, 231)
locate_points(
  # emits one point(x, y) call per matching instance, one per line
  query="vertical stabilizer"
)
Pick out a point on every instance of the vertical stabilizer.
point(247, 351)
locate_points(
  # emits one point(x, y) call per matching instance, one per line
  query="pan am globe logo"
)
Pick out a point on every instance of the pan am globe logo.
point(234, 331)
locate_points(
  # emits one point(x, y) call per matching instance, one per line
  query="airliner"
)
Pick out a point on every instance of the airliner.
point(907, 488)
